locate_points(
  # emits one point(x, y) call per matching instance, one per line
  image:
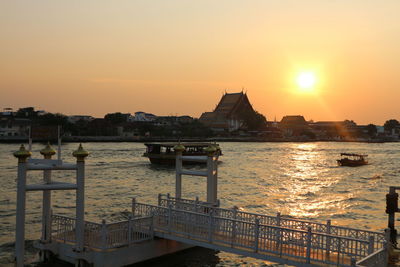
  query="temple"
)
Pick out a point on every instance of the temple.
point(228, 114)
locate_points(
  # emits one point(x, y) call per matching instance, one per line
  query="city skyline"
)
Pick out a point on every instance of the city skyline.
point(178, 58)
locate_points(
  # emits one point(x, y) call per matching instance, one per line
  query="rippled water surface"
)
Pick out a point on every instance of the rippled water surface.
point(297, 179)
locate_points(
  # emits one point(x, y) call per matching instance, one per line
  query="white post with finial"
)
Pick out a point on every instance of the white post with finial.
point(178, 169)
point(59, 142)
point(47, 152)
point(22, 154)
point(211, 184)
point(30, 138)
point(80, 155)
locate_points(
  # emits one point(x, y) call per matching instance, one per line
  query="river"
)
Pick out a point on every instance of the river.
point(297, 179)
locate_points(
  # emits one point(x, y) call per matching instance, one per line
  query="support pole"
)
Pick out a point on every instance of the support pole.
point(80, 155)
point(59, 142)
point(211, 190)
point(178, 168)
point(22, 156)
point(215, 177)
point(30, 138)
point(391, 208)
point(47, 152)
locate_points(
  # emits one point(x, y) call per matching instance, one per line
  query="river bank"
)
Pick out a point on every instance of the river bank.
point(76, 139)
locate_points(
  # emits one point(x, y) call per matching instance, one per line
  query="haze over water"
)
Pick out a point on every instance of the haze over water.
point(297, 179)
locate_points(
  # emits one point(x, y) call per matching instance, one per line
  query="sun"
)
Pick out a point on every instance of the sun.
point(306, 81)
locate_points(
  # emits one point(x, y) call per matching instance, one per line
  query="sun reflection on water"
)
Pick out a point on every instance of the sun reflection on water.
point(306, 196)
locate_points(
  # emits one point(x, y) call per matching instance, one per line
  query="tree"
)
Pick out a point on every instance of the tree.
point(372, 130)
point(391, 124)
point(28, 112)
point(52, 119)
point(116, 118)
point(253, 120)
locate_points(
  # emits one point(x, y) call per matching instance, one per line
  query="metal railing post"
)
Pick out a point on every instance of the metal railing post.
point(103, 234)
point(169, 218)
point(278, 232)
point(133, 207)
point(196, 203)
point(234, 225)
point(130, 229)
point(339, 248)
point(210, 227)
point(371, 241)
point(328, 238)
point(387, 245)
point(159, 199)
point(152, 226)
point(309, 236)
point(256, 234)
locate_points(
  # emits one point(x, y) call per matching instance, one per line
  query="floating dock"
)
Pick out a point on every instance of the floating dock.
point(176, 223)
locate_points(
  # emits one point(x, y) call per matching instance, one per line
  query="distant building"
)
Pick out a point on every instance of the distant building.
point(101, 127)
point(75, 118)
point(142, 116)
point(7, 112)
point(336, 130)
point(184, 119)
point(14, 126)
point(294, 125)
point(44, 132)
point(228, 115)
point(128, 130)
point(173, 120)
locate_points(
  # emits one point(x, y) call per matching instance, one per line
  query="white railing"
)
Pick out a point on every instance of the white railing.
point(255, 236)
point(63, 228)
point(163, 198)
point(377, 238)
point(104, 236)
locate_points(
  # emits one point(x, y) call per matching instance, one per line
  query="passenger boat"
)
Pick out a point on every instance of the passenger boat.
point(163, 153)
point(352, 160)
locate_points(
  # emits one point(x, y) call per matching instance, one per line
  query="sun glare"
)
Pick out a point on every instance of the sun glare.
point(306, 81)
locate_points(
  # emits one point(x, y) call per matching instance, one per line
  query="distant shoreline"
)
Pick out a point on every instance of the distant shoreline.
point(76, 139)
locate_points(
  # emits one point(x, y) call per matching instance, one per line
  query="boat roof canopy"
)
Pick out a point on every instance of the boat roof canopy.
point(185, 144)
point(353, 155)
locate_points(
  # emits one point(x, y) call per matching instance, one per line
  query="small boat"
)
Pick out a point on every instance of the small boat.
point(352, 160)
point(163, 153)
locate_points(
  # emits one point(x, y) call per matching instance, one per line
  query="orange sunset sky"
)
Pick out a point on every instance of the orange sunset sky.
point(178, 57)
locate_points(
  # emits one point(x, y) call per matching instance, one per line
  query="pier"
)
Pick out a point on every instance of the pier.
point(175, 223)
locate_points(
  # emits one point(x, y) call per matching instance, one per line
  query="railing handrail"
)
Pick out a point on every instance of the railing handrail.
point(73, 218)
point(184, 200)
point(282, 217)
point(253, 223)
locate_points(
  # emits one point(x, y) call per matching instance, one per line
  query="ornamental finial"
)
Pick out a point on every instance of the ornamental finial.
point(80, 154)
point(179, 148)
point(48, 151)
point(22, 154)
point(211, 149)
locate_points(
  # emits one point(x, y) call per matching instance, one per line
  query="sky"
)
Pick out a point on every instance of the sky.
point(178, 57)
